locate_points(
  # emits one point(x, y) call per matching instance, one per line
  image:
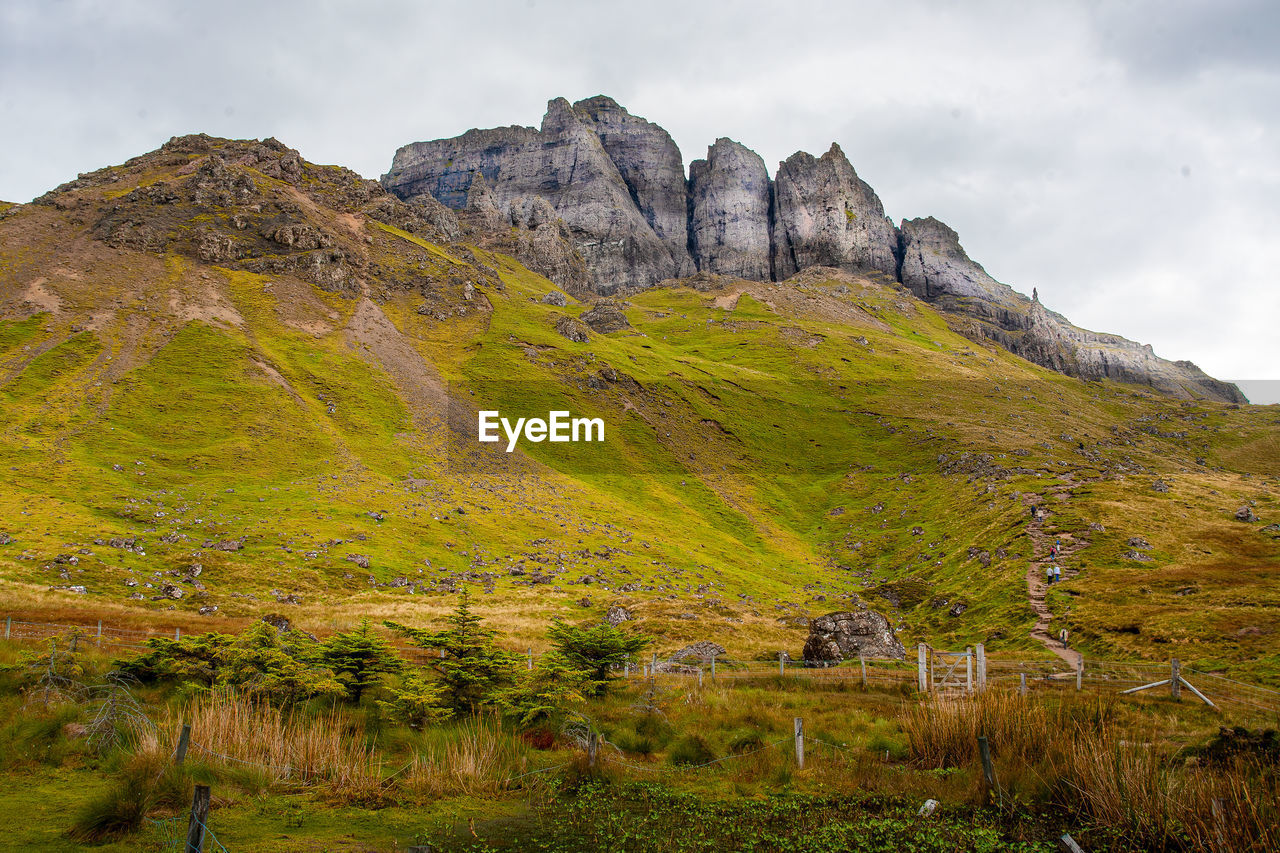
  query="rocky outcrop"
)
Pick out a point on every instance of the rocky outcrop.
point(729, 224)
point(651, 165)
point(565, 163)
point(595, 199)
point(850, 634)
point(826, 216)
point(938, 270)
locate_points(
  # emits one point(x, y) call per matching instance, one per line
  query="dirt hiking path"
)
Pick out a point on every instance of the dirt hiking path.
point(1037, 585)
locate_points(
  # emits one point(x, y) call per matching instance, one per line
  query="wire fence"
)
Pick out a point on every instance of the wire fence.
point(1245, 700)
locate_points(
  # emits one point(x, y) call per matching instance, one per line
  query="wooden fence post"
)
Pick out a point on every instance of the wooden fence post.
point(862, 661)
point(713, 668)
point(699, 678)
point(1067, 844)
point(177, 633)
point(799, 729)
point(923, 667)
point(968, 669)
point(1022, 684)
point(653, 667)
point(8, 623)
point(184, 741)
point(99, 632)
point(782, 663)
point(982, 666)
point(1175, 680)
point(199, 815)
point(1080, 673)
point(530, 658)
point(988, 772)
point(593, 748)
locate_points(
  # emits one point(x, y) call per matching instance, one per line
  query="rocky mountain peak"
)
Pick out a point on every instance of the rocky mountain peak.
point(629, 219)
point(730, 198)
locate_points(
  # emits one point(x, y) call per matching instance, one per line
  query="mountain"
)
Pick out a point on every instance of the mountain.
point(617, 182)
point(234, 382)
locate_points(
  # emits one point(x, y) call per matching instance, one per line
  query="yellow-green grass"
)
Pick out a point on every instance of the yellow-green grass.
point(752, 432)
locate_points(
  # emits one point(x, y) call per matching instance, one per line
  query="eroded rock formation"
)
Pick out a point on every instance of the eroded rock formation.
point(596, 200)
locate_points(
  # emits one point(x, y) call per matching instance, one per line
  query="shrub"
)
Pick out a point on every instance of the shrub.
point(690, 749)
point(473, 668)
point(745, 740)
point(118, 811)
point(595, 650)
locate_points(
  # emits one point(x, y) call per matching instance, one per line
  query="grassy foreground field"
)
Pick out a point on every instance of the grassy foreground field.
point(679, 768)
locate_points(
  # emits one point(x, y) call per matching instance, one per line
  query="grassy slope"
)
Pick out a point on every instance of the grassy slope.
point(768, 456)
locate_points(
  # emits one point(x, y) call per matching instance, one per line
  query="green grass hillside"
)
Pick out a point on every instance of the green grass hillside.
point(219, 356)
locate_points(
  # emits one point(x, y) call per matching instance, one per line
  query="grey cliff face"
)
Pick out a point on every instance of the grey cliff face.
point(826, 216)
point(597, 201)
point(936, 268)
point(729, 199)
point(565, 163)
point(651, 165)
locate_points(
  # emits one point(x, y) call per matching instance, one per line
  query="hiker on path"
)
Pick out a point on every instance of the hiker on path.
point(1048, 571)
point(1062, 637)
point(1057, 574)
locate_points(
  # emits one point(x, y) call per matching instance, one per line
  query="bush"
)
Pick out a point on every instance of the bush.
point(745, 740)
point(690, 750)
point(119, 810)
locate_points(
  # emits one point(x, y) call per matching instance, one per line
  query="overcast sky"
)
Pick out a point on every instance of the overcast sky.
point(1122, 157)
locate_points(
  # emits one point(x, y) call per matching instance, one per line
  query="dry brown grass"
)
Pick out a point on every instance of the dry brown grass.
point(288, 746)
point(1141, 791)
point(944, 732)
point(477, 757)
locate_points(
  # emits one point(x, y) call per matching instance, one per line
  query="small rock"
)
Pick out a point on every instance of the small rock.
point(1138, 542)
point(929, 807)
point(585, 601)
point(957, 608)
point(616, 615)
point(1137, 556)
point(1246, 514)
point(208, 610)
point(5, 538)
point(555, 298)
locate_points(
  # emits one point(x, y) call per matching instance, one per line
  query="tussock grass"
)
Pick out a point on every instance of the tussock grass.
point(944, 732)
point(288, 746)
point(1144, 793)
point(475, 757)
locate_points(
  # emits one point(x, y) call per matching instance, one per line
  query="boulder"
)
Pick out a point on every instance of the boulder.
point(573, 329)
point(617, 614)
point(703, 650)
point(555, 298)
point(605, 316)
point(1246, 514)
point(835, 636)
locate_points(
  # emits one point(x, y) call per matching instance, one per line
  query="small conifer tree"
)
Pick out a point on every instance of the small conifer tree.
point(472, 667)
